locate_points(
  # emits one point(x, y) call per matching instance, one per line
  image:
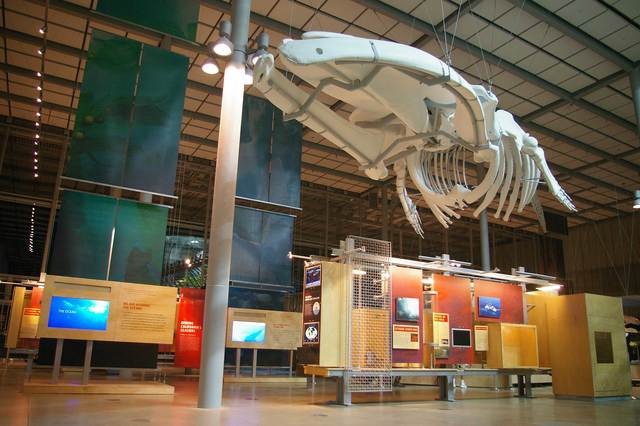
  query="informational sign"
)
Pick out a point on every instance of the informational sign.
point(85, 309)
point(406, 337)
point(489, 307)
point(440, 329)
point(312, 305)
point(31, 314)
point(481, 337)
point(262, 329)
point(189, 328)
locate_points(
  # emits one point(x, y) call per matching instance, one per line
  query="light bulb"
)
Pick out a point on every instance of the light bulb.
point(223, 47)
point(210, 66)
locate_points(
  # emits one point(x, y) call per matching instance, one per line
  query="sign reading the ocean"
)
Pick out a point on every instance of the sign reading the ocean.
point(247, 331)
point(489, 307)
point(81, 314)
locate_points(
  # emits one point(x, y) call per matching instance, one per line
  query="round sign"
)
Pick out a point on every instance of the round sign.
point(316, 308)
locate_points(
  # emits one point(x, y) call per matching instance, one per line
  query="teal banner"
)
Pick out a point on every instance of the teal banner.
point(129, 115)
point(270, 153)
point(174, 17)
point(101, 237)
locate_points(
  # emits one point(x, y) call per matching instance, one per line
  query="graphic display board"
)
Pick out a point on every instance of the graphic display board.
point(312, 296)
point(406, 337)
point(79, 314)
point(189, 328)
point(481, 338)
point(407, 309)
point(248, 331)
point(489, 307)
point(85, 309)
point(261, 329)
point(440, 329)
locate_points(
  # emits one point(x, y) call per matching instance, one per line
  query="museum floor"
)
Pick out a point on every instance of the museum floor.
point(283, 404)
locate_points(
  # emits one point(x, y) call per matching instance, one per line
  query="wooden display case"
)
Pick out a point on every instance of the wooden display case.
point(512, 346)
point(587, 346)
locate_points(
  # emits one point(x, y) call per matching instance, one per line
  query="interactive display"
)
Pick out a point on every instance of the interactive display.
point(81, 314)
point(312, 278)
point(248, 331)
point(407, 309)
point(489, 307)
point(461, 337)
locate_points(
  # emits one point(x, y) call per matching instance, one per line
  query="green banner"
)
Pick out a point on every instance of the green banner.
point(174, 17)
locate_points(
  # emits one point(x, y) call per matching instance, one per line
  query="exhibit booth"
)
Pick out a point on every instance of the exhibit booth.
point(436, 322)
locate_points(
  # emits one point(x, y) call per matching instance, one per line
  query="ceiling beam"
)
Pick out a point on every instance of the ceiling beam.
point(573, 32)
point(474, 50)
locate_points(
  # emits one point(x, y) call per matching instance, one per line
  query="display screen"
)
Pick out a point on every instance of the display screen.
point(489, 307)
point(80, 314)
point(407, 309)
point(312, 276)
point(248, 331)
point(461, 337)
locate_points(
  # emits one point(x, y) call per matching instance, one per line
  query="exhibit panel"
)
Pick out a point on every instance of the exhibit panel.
point(407, 316)
point(454, 298)
point(85, 309)
point(261, 329)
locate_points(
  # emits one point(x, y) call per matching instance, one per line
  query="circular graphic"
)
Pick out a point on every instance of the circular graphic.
point(316, 308)
point(311, 332)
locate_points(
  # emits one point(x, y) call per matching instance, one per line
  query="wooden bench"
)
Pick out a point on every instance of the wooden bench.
point(445, 378)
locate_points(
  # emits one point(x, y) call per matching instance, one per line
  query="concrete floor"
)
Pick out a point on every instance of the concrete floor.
point(282, 404)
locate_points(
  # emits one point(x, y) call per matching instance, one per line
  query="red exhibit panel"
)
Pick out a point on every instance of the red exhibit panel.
point(454, 298)
point(407, 311)
point(189, 328)
point(508, 297)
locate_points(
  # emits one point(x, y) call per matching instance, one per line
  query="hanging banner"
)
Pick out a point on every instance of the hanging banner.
point(189, 328)
point(312, 293)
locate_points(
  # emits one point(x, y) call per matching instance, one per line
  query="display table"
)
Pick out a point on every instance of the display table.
point(445, 378)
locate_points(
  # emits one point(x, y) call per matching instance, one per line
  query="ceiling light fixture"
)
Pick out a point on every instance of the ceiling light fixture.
point(223, 46)
point(263, 44)
point(210, 66)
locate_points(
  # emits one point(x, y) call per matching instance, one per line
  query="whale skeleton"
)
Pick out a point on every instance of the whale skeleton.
point(416, 113)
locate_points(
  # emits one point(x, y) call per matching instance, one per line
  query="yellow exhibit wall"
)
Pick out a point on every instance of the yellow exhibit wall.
point(587, 346)
point(537, 315)
point(282, 330)
point(333, 315)
point(512, 346)
point(137, 313)
point(15, 317)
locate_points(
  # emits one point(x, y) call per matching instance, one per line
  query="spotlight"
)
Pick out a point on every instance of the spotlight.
point(35, 175)
point(35, 167)
point(263, 44)
point(223, 46)
point(210, 66)
point(37, 124)
point(41, 51)
point(39, 100)
point(39, 88)
point(38, 114)
point(38, 73)
point(35, 153)
point(636, 203)
point(37, 136)
point(43, 29)
point(35, 160)
point(35, 143)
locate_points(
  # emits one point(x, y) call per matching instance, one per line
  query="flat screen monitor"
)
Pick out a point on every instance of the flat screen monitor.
point(79, 314)
point(248, 331)
point(489, 307)
point(407, 309)
point(461, 337)
point(312, 276)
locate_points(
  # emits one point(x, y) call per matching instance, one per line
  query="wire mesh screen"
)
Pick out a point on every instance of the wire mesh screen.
point(369, 359)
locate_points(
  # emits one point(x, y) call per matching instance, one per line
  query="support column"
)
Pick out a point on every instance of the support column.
point(222, 214)
point(3, 148)
point(326, 225)
point(485, 256)
point(634, 76)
